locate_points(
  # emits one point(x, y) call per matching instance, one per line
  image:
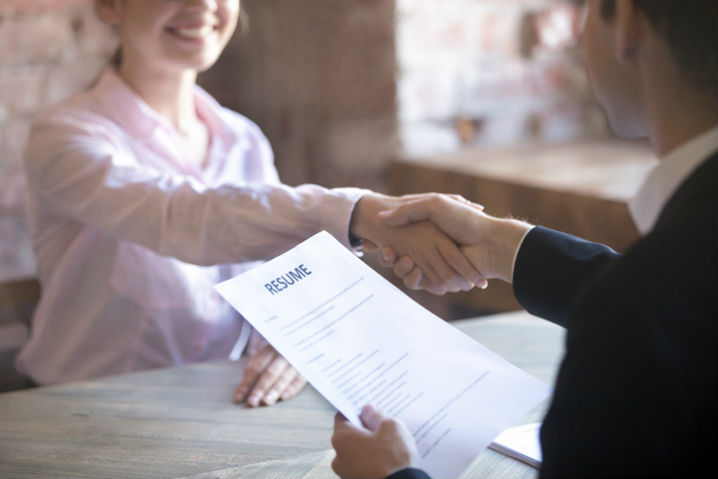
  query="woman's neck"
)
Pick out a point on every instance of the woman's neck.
point(169, 93)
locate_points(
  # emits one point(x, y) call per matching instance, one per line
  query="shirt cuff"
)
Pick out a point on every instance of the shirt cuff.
point(338, 217)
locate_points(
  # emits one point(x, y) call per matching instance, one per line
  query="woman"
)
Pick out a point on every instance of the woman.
point(144, 193)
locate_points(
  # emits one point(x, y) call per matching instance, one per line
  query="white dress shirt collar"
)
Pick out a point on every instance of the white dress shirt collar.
point(667, 176)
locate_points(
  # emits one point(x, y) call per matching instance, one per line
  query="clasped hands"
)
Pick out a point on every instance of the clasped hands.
point(440, 243)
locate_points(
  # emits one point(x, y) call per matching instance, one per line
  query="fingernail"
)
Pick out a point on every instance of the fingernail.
point(385, 213)
point(239, 395)
point(271, 398)
point(253, 400)
point(483, 284)
point(286, 395)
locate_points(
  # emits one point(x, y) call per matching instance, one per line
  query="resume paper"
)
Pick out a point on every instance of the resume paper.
point(358, 339)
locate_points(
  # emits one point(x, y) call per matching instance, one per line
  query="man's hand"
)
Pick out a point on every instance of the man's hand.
point(384, 447)
point(443, 265)
point(489, 243)
point(268, 377)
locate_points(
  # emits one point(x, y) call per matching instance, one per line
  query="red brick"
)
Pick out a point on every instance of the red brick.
point(36, 39)
point(16, 258)
point(65, 80)
point(15, 7)
point(21, 89)
point(15, 131)
point(94, 38)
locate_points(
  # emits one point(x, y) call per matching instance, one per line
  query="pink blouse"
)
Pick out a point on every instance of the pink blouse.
point(130, 237)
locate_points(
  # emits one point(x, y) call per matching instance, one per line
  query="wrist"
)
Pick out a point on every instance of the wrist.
point(499, 242)
point(365, 221)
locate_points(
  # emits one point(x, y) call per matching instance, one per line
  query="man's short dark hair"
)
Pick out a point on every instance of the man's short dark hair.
point(689, 28)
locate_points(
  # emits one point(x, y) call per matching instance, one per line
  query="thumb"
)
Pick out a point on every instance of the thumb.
point(371, 417)
point(368, 245)
point(463, 200)
point(406, 213)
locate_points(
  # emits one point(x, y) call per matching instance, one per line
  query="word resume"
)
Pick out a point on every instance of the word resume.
point(359, 340)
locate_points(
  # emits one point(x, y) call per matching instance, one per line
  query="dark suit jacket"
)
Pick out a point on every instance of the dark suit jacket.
point(636, 394)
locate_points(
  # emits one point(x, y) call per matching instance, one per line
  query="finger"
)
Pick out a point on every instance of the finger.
point(414, 279)
point(368, 245)
point(409, 212)
point(425, 285)
point(339, 418)
point(430, 274)
point(463, 275)
point(404, 266)
point(463, 200)
point(268, 377)
point(422, 283)
point(257, 363)
point(437, 271)
point(278, 388)
point(371, 417)
point(434, 289)
point(294, 387)
point(456, 259)
point(342, 425)
point(388, 256)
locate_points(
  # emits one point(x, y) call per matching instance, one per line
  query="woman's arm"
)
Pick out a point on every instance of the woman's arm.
point(89, 175)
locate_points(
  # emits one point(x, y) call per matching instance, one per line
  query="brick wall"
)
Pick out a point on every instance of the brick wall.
point(50, 49)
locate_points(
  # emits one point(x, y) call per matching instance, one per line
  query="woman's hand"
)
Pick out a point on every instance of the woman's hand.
point(268, 377)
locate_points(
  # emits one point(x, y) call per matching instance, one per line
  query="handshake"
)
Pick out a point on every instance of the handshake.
point(437, 242)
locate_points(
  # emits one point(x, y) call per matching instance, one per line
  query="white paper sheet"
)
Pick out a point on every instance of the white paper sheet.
point(520, 442)
point(358, 339)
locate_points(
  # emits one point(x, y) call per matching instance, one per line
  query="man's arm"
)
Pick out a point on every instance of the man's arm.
point(551, 270)
point(547, 268)
point(490, 243)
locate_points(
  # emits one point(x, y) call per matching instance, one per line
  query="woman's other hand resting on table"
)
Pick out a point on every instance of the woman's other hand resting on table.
point(268, 377)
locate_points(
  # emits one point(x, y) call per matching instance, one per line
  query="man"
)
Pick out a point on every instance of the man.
point(636, 394)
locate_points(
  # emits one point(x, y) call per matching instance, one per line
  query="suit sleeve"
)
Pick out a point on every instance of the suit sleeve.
point(552, 268)
point(408, 473)
point(635, 394)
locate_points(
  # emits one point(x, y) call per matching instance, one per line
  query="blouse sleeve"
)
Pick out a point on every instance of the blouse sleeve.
point(83, 171)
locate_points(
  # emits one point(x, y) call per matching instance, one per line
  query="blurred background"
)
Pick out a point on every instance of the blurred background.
point(486, 98)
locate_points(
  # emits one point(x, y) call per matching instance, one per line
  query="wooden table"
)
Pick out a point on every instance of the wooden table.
point(181, 423)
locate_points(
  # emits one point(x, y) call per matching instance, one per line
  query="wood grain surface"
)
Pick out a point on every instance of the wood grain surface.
point(181, 422)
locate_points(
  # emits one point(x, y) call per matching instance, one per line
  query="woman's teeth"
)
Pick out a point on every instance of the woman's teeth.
point(194, 33)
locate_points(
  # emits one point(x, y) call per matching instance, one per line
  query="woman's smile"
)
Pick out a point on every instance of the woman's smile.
point(194, 32)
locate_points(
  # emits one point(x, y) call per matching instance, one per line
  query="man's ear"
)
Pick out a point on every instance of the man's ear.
point(629, 31)
point(110, 11)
